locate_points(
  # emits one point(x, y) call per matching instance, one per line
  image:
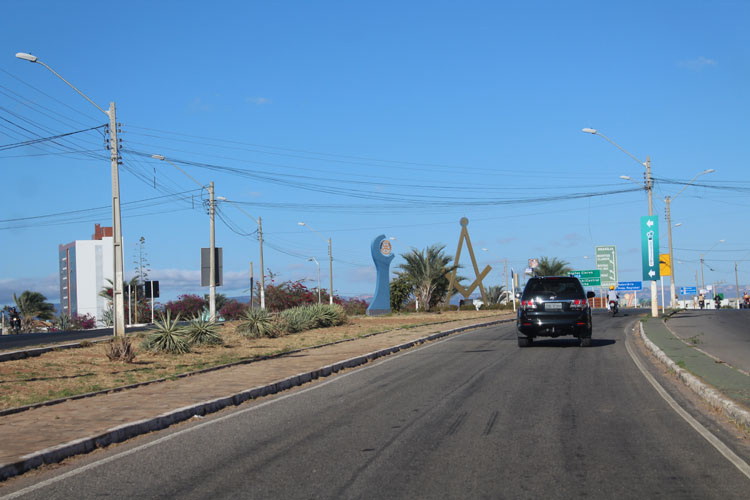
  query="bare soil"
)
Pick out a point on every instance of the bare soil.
point(66, 373)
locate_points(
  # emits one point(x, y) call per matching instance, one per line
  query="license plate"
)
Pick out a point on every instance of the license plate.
point(553, 306)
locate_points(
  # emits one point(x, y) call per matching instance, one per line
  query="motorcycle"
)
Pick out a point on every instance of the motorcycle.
point(15, 324)
point(747, 302)
point(701, 303)
point(717, 303)
point(613, 307)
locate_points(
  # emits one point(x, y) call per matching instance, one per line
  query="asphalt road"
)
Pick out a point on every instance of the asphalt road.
point(723, 333)
point(473, 416)
point(24, 340)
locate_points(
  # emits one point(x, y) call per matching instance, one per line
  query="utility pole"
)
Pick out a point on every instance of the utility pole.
point(262, 269)
point(252, 285)
point(650, 191)
point(118, 299)
point(672, 286)
point(702, 283)
point(330, 271)
point(212, 256)
point(737, 284)
point(505, 273)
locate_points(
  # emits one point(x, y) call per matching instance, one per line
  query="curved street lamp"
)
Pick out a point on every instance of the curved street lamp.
point(648, 185)
point(330, 259)
point(118, 302)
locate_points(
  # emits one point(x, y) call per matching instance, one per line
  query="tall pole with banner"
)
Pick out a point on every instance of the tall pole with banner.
point(650, 256)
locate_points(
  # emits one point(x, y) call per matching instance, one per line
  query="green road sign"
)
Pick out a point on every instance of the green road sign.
point(650, 247)
point(606, 262)
point(590, 277)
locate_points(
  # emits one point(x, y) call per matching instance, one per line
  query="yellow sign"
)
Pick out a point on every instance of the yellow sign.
point(665, 265)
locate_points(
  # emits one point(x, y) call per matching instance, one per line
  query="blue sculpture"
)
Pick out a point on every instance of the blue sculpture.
point(382, 255)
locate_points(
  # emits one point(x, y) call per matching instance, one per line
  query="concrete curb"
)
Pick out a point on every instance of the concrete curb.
point(124, 432)
point(713, 397)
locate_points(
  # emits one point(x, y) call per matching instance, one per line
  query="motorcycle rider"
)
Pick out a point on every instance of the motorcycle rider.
point(612, 296)
point(717, 301)
point(701, 300)
point(15, 320)
point(746, 300)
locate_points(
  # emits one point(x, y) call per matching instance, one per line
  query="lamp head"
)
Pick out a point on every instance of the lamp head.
point(26, 57)
point(301, 224)
point(625, 177)
point(158, 157)
point(589, 130)
point(221, 198)
point(709, 171)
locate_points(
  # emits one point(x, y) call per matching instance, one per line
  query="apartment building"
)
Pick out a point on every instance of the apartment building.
point(85, 267)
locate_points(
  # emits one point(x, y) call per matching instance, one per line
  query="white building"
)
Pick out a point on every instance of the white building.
point(85, 267)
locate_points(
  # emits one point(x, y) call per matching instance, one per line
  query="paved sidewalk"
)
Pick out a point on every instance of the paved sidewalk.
point(52, 433)
point(729, 382)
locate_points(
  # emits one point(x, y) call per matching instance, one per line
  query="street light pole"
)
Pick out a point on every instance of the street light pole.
point(330, 259)
point(212, 256)
point(212, 243)
point(318, 264)
point(668, 200)
point(259, 221)
point(118, 299)
point(649, 184)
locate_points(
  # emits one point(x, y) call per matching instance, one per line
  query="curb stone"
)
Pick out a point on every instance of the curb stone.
point(707, 393)
point(129, 430)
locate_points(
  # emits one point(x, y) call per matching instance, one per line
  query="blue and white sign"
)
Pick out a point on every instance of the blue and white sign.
point(626, 286)
point(688, 290)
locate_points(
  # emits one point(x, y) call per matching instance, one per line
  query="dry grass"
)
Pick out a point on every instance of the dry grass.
point(66, 373)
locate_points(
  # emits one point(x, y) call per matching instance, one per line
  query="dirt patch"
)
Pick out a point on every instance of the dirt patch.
point(66, 373)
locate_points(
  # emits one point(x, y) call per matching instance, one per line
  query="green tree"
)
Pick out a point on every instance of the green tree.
point(495, 294)
point(552, 267)
point(221, 300)
point(33, 305)
point(401, 290)
point(427, 272)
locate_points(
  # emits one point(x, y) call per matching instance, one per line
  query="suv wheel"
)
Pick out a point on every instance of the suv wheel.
point(524, 341)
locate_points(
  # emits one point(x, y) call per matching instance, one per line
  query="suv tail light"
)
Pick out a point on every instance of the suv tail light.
point(578, 303)
point(528, 304)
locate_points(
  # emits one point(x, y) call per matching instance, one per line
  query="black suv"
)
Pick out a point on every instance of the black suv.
point(553, 306)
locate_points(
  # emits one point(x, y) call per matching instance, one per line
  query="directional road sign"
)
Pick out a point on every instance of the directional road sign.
point(589, 277)
point(688, 290)
point(630, 286)
point(606, 262)
point(650, 247)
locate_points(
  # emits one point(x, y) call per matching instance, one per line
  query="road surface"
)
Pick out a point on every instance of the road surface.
point(472, 416)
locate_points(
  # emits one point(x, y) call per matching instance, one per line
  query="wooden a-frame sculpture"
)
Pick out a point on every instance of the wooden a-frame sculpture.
point(479, 277)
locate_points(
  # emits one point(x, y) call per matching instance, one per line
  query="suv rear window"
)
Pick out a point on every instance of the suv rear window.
point(561, 288)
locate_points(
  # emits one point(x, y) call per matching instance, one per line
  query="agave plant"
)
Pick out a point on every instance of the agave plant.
point(258, 323)
point(202, 332)
point(168, 336)
point(297, 319)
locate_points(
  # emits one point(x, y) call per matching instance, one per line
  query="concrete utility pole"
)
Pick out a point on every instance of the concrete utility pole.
point(118, 299)
point(330, 271)
point(262, 269)
point(212, 256)
point(252, 285)
point(737, 284)
point(672, 288)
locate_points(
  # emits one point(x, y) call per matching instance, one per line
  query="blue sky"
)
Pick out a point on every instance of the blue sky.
point(360, 119)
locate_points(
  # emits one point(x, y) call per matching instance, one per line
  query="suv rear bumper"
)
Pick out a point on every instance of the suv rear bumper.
point(577, 324)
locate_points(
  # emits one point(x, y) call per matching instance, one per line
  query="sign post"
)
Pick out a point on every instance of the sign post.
point(606, 262)
point(589, 277)
point(650, 247)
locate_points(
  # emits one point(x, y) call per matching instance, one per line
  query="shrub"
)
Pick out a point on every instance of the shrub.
point(257, 323)
point(120, 349)
point(202, 332)
point(287, 295)
point(168, 336)
point(233, 310)
point(187, 306)
point(355, 306)
point(298, 319)
point(82, 322)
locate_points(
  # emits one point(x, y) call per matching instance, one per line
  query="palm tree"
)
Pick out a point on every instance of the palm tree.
point(552, 267)
point(427, 271)
point(33, 305)
point(495, 294)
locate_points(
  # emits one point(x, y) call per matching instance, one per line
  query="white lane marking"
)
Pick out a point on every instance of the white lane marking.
point(235, 414)
point(707, 435)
